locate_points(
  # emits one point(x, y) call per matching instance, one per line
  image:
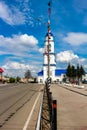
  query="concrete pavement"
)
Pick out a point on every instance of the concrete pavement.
point(71, 107)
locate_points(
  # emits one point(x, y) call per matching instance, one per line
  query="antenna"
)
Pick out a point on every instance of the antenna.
point(49, 9)
point(48, 46)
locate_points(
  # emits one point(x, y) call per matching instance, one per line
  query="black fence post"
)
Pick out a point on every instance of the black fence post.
point(54, 114)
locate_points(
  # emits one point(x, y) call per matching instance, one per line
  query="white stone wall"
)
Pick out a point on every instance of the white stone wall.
point(40, 79)
point(84, 77)
point(52, 59)
point(59, 78)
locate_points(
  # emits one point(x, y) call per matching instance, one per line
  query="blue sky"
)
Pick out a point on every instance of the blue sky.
point(23, 25)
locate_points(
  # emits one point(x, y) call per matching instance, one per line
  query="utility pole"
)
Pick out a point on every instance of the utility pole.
point(48, 46)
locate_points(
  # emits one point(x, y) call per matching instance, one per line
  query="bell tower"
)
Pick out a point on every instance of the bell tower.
point(49, 63)
point(52, 62)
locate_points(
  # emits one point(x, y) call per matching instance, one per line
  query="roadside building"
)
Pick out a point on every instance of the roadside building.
point(1, 74)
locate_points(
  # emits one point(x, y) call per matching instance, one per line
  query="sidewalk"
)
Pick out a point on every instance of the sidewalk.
point(80, 89)
point(71, 106)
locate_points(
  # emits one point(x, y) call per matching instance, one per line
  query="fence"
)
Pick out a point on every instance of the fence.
point(47, 118)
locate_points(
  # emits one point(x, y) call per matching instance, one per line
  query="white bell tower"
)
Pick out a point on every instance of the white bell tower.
point(52, 61)
point(49, 64)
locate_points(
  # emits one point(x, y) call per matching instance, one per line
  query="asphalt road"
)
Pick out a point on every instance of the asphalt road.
point(19, 106)
point(71, 107)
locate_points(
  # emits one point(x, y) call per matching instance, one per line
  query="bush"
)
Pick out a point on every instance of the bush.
point(12, 80)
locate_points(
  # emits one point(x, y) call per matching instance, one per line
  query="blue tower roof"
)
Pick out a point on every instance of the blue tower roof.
point(40, 73)
point(49, 34)
point(58, 72)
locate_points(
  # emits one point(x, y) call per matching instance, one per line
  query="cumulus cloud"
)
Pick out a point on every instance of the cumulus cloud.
point(28, 40)
point(75, 39)
point(18, 44)
point(85, 66)
point(69, 57)
point(22, 48)
point(13, 68)
point(66, 56)
point(15, 65)
point(41, 50)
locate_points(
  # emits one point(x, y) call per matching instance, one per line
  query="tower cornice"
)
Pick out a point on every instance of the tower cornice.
point(50, 64)
point(49, 54)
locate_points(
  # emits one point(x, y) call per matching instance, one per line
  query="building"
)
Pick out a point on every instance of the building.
point(56, 75)
point(84, 77)
point(1, 72)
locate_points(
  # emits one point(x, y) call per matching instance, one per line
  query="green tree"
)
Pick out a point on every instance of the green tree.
point(69, 72)
point(82, 72)
point(73, 73)
point(12, 80)
point(28, 74)
point(79, 72)
point(18, 79)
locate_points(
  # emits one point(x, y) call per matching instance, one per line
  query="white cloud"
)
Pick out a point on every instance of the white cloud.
point(66, 56)
point(11, 15)
point(28, 40)
point(41, 50)
point(75, 39)
point(85, 66)
point(12, 68)
point(15, 65)
point(22, 48)
point(15, 69)
point(18, 44)
point(69, 57)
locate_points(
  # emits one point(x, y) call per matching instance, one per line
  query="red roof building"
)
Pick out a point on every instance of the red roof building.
point(1, 70)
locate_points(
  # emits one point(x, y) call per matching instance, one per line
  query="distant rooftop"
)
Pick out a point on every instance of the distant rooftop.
point(1, 70)
point(40, 73)
point(58, 72)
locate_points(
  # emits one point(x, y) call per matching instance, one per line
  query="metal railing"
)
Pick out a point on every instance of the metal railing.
point(47, 118)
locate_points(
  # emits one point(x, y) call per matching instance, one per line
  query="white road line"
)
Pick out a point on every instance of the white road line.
point(30, 114)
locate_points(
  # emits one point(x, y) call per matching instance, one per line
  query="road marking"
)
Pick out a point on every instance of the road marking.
point(30, 114)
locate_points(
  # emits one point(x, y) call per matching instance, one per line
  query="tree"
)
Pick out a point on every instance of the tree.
point(79, 72)
point(82, 70)
point(12, 80)
point(18, 79)
point(69, 72)
point(73, 73)
point(28, 74)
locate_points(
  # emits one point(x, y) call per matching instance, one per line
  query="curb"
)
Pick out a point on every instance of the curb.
point(75, 91)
